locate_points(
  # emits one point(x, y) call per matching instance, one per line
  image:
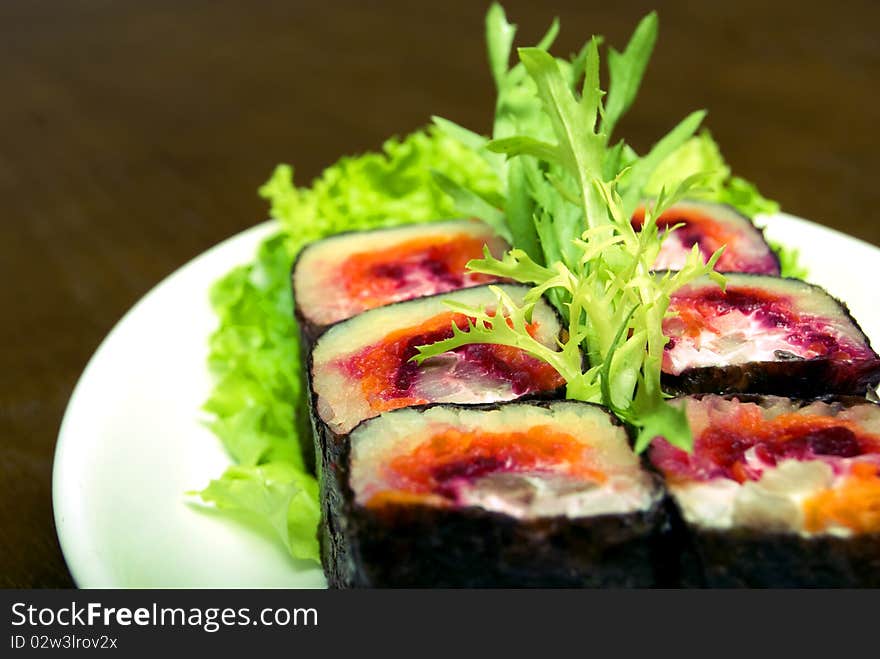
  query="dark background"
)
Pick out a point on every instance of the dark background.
point(133, 135)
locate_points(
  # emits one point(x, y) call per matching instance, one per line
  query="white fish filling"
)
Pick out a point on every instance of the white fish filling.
point(673, 253)
point(738, 338)
point(775, 502)
point(529, 496)
point(342, 404)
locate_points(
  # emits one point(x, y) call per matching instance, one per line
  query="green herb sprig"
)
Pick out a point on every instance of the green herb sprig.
point(570, 197)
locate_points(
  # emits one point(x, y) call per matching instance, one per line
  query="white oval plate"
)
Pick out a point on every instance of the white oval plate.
point(132, 442)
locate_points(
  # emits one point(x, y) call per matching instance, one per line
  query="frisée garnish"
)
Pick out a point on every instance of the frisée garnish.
point(568, 209)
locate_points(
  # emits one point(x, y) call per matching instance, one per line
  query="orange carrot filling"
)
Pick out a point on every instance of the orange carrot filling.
point(720, 450)
point(451, 456)
point(376, 277)
point(855, 504)
point(387, 376)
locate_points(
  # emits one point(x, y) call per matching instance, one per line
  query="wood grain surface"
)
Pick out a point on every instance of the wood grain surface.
point(133, 136)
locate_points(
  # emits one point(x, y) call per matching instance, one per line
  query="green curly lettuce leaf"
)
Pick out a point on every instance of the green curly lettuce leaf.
point(790, 264)
point(701, 154)
point(279, 495)
point(254, 353)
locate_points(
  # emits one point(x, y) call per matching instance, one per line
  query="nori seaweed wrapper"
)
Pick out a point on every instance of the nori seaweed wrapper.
point(746, 558)
point(796, 379)
point(417, 545)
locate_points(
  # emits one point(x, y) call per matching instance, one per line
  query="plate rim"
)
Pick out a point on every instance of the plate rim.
point(61, 476)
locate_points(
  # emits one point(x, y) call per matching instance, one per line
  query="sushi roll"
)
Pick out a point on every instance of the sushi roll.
point(711, 226)
point(779, 492)
point(509, 495)
point(362, 367)
point(765, 335)
point(341, 276)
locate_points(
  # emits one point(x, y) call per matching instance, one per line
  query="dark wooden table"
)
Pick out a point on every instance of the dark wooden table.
point(133, 136)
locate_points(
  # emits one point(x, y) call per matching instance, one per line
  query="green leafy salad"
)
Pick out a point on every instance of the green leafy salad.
point(556, 183)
